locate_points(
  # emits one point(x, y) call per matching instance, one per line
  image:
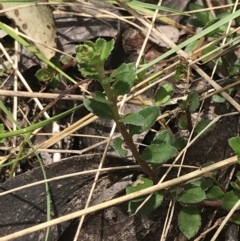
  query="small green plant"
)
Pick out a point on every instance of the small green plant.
point(49, 74)
point(91, 58)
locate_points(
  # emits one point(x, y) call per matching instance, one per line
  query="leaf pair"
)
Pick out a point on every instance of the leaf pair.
point(138, 123)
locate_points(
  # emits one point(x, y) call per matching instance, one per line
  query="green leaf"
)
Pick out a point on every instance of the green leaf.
point(216, 32)
point(150, 114)
point(189, 40)
point(134, 119)
point(189, 221)
point(65, 59)
point(158, 154)
point(90, 55)
point(182, 104)
point(206, 183)
point(234, 143)
point(235, 186)
point(182, 121)
point(84, 52)
point(230, 199)
point(201, 125)
point(192, 194)
point(152, 204)
point(196, 22)
point(218, 98)
point(117, 145)
point(138, 185)
point(125, 77)
point(235, 218)
point(163, 94)
point(215, 193)
point(191, 47)
point(163, 137)
point(44, 75)
point(179, 143)
point(193, 100)
point(180, 72)
point(106, 48)
point(142, 75)
point(98, 108)
point(203, 16)
point(100, 97)
point(208, 50)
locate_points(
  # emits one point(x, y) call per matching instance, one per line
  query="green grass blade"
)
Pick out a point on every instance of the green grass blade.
point(190, 40)
point(38, 125)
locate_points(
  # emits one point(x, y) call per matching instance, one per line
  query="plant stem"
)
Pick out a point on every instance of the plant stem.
point(121, 127)
point(129, 141)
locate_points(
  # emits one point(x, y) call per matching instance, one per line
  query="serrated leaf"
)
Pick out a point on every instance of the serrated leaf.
point(85, 52)
point(201, 125)
point(234, 143)
point(117, 145)
point(134, 119)
point(215, 193)
point(193, 100)
point(100, 109)
point(88, 71)
point(106, 49)
point(163, 94)
point(158, 154)
point(125, 77)
point(43, 75)
point(100, 97)
point(192, 195)
point(189, 221)
point(230, 199)
point(163, 137)
point(152, 204)
point(150, 114)
point(92, 54)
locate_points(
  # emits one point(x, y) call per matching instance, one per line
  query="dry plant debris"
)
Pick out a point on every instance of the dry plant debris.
point(186, 133)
